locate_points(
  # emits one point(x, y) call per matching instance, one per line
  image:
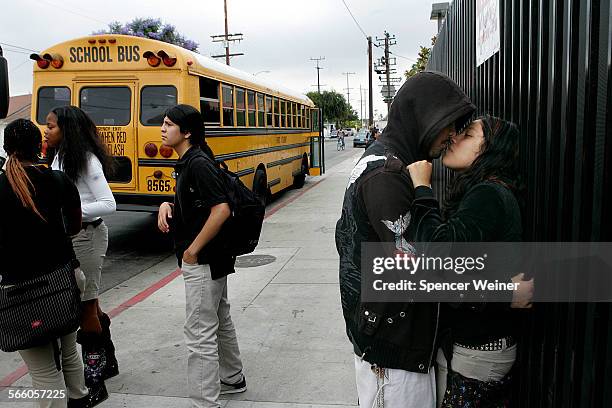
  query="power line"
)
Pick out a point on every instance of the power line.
point(71, 11)
point(18, 66)
point(354, 19)
point(17, 46)
point(409, 59)
point(18, 52)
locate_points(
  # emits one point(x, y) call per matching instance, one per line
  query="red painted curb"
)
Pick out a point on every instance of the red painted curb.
point(23, 369)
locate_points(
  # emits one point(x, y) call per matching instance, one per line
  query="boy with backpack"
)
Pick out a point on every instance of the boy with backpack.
point(200, 209)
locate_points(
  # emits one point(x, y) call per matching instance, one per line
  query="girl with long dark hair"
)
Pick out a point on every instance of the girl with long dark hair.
point(37, 220)
point(482, 205)
point(76, 149)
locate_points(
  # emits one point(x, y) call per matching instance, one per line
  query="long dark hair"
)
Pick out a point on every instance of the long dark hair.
point(189, 119)
point(79, 137)
point(498, 161)
point(22, 142)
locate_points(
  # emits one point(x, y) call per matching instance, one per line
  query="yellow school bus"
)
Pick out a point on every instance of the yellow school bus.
point(267, 134)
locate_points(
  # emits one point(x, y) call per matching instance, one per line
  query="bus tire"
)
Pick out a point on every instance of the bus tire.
point(300, 179)
point(260, 185)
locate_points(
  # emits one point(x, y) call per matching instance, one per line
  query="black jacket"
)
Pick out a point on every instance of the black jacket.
point(376, 208)
point(489, 212)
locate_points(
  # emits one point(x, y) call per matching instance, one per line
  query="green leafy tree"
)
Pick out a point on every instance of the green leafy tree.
point(421, 63)
point(335, 108)
point(151, 28)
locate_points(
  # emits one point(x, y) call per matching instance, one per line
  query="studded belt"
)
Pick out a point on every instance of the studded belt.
point(494, 345)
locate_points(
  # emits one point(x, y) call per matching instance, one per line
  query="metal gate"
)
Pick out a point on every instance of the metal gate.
point(552, 76)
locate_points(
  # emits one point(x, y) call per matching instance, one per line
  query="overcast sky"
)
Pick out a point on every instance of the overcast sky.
point(280, 36)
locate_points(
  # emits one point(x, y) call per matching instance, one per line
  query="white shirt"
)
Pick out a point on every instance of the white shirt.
point(96, 196)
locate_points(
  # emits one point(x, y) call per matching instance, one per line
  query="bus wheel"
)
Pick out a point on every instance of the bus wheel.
point(260, 185)
point(299, 179)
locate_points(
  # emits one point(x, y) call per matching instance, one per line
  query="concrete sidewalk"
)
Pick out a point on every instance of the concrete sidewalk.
point(287, 315)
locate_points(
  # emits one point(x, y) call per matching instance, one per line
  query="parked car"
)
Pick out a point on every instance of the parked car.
point(333, 133)
point(361, 138)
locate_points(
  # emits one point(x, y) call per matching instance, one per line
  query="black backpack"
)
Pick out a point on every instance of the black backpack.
point(240, 233)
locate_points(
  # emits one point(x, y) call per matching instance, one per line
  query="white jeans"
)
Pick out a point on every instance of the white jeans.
point(397, 388)
point(41, 365)
point(210, 337)
point(477, 364)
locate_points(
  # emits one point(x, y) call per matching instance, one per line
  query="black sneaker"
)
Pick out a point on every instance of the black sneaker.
point(233, 388)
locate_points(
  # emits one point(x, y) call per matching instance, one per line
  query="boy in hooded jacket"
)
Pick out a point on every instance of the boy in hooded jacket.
point(394, 343)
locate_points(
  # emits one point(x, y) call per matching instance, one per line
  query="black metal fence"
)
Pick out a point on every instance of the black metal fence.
point(553, 77)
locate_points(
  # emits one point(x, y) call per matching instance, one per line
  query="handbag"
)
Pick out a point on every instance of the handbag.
point(39, 310)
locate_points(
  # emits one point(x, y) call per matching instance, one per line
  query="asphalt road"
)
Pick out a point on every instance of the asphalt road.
point(135, 244)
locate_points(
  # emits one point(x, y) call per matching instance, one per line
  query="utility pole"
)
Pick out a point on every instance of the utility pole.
point(384, 67)
point(226, 39)
point(318, 69)
point(360, 106)
point(348, 92)
point(371, 89)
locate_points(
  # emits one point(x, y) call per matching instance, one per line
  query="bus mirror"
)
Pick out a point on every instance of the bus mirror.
point(4, 86)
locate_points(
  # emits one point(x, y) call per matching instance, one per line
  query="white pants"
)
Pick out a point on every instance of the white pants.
point(41, 365)
point(397, 388)
point(210, 337)
point(477, 364)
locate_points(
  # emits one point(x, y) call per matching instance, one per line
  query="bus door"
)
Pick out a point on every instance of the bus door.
point(317, 145)
point(112, 107)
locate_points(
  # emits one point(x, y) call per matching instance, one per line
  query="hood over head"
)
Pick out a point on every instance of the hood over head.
point(426, 103)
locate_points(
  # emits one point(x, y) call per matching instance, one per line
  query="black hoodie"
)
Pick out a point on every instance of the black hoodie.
point(376, 208)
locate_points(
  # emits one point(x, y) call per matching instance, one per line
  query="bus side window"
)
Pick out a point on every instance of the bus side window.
point(209, 101)
point(261, 118)
point(283, 114)
point(297, 115)
point(228, 105)
point(276, 105)
point(251, 107)
point(240, 107)
point(268, 111)
point(290, 121)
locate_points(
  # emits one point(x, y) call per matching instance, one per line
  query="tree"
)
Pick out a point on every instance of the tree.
point(421, 63)
point(334, 106)
point(151, 28)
